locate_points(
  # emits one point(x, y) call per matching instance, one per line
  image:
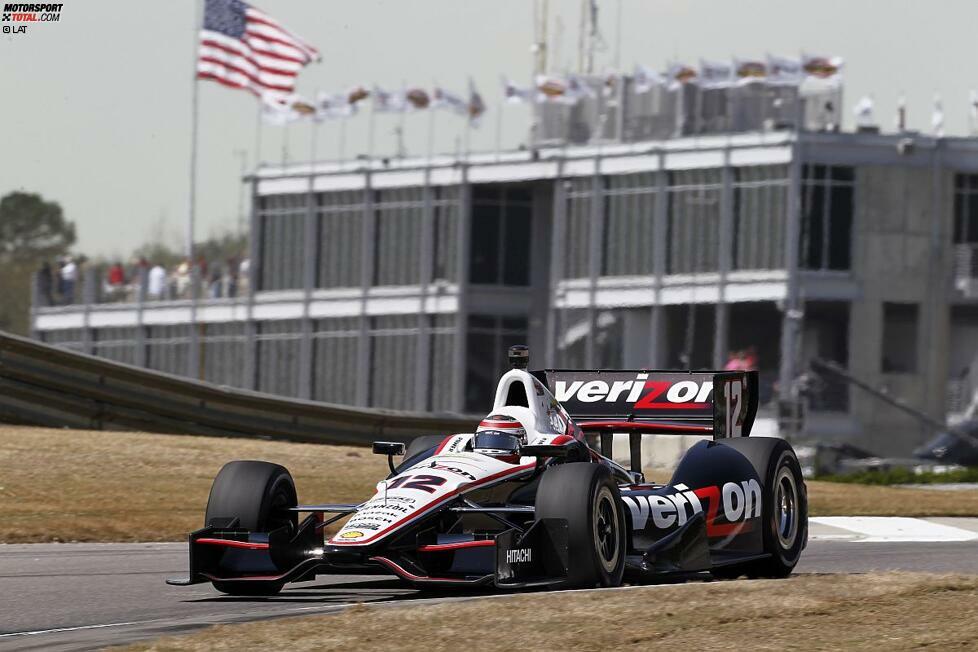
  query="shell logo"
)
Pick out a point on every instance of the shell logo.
point(351, 534)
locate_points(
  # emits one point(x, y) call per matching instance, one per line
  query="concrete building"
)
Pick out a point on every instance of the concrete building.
point(399, 283)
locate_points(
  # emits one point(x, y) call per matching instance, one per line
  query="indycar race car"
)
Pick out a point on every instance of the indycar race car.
point(532, 497)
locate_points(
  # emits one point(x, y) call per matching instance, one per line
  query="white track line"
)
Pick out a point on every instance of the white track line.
point(876, 529)
point(57, 630)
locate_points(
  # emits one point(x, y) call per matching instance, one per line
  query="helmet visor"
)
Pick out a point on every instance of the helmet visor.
point(495, 442)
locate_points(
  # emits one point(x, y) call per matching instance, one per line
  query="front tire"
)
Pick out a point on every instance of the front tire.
point(785, 508)
point(259, 495)
point(586, 496)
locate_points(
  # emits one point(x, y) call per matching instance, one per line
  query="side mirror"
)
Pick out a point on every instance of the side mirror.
point(390, 449)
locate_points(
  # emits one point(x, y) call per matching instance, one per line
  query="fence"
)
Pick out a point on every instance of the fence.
point(48, 386)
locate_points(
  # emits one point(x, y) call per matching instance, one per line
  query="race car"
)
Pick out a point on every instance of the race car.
point(533, 497)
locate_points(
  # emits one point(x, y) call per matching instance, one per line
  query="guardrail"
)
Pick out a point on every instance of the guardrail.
point(47, 386)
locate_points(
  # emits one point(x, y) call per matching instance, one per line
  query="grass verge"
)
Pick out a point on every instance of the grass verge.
point(907, 476)
point(76, 485)
point(832, 612)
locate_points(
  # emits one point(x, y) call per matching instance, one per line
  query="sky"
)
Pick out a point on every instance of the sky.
point(96, 109)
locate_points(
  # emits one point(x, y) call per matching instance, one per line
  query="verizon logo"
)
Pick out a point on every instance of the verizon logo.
point(644, 393)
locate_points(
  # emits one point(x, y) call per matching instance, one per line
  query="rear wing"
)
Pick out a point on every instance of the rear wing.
point(718, 403)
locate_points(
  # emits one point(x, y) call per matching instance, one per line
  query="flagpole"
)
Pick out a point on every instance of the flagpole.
point(431, 134)
point(342, 138)
point(370, 127)
point(499, 130)
point(258, 127)
point(401, 151)
point(195, 103)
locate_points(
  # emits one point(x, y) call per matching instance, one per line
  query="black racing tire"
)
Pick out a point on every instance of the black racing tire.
point(258, 494)
point(785, 508)
point(586, 496)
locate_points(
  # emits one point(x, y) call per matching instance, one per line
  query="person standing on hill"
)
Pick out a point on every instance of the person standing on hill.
point(44, 283)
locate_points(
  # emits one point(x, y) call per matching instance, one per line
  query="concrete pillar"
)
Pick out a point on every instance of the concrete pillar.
point(558, 233)
point(310, 247)
point(254, 274)
point(595, 230)
point(462, 274)
point(659, 248)
point(792, 315)
point(725, 259)
point(367, 253)
point(422, 365)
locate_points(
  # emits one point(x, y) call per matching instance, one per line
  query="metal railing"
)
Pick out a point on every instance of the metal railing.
point(49, 386)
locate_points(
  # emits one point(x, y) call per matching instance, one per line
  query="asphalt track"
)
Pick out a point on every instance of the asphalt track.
point(85, 596)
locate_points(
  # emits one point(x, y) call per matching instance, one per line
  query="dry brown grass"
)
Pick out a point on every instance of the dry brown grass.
point(844, 499)
point(76, 485)
point(832, 612)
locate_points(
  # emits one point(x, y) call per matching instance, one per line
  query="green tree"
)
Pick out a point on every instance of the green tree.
point(32, 230)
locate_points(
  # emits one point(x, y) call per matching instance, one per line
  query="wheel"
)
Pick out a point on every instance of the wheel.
point(259, 495)
point(784, 513)
point(586, 496)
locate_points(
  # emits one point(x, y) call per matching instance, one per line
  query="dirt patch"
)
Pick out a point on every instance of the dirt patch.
point(831, 612)
point(77, 485)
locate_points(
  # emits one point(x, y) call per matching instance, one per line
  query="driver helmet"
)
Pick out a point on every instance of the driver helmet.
point(499, 435)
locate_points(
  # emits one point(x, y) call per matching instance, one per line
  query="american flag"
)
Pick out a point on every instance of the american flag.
point(242, 47)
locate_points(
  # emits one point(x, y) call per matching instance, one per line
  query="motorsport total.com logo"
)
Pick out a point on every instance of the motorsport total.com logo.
point(31, 13)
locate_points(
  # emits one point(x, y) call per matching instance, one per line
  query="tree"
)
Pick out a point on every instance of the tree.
point(32, 230)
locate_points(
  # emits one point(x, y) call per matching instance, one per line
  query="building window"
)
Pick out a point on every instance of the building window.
point(397, 235)
point(629, 211)
point(487, 339)
point(340, 239)
point(900, 325)
point(393, 360)
point(966, 209)
point(501, 235)
point(827, 212)
point(694, 222)
point(445, 203)
point(441, 360)
point(281, 219)
point(278, 356)
point(336, 362)
point(577, 232)
point(760, 195)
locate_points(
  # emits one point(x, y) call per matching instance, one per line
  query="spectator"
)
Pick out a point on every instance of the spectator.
point(750, 358)
point(735, 361)
point(69, 276)
point(232, 277)
point(214, 284)
point(156, 282)
point(117, 276)
point(44, 284)
point(244, 276)
point(182, 279)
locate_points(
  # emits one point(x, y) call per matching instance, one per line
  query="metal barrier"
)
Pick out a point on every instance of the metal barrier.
point(48, 386)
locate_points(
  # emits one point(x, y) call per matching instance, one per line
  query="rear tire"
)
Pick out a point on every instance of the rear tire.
point(259, 495)
point(585, 495)
point(784, 514)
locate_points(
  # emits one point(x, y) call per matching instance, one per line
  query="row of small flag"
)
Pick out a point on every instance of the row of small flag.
point(282, 110)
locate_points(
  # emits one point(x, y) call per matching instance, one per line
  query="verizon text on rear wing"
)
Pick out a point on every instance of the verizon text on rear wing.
point(721, 403)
